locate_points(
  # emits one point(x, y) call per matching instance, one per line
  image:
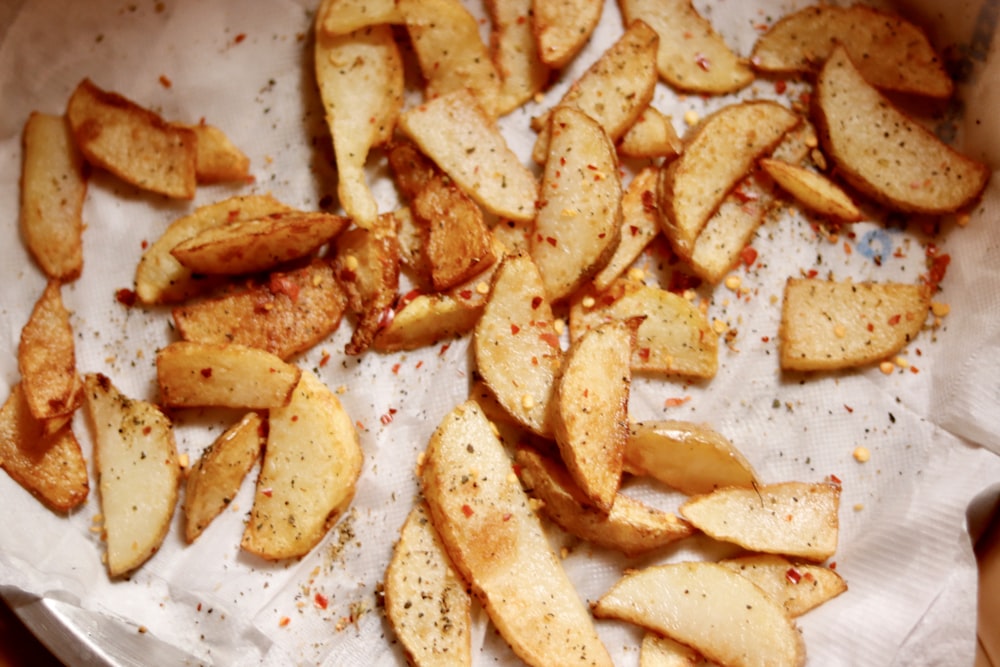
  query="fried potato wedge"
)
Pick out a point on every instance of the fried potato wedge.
point(160, 278)
point(798, 587)
point(692, 56)
point(132, 142)
point(312, 461)
point(462, 139)
point(218, 159)
point(516, 346)
point(687, 602)
point(50, 466)
point(46, 358)
point(426, 601)
point(675, 338)
point(497, 543)
point(515, 53)
point(215, 478)
point(652, 135)
point(426, 319)
point(53, 187)
point(630, 527)
point(692, 458)
point(884, 153)
point(812, 190)
point(659, 651)
point(579, 220)
point(720, 152)
point(827, 324)
point(794, 519)
point(891, 53)
point(227, 375)
point(138, 471)
point(640, 224)
point(563, 27)
point(340, 17)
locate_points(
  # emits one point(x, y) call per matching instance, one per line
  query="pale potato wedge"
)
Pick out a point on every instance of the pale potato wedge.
point(50, 466)
point(466, 143)
point(426, 319)
point(884, 153)
point(652, 135)
point(516, 346)
point(218, 159)
point(692, 56)
point(344, 16)
point(53, 187)
point(515, 53)
point(497, 543)
point(312, 461)
point(720, 152)
point(226, 375)
point(630, 527)
point(579, 220)
point(827, 324)
point(46, 358)
point(563, 27)
point(892, 53)
point(426, 601)
point(798, 587)
point(640, 224)
point(132, 142)
point(692, 458)
point(795, 519)
point(710, 608)
point(138, 473)
point(812, 190)
point(216, 476)
point(659, 651)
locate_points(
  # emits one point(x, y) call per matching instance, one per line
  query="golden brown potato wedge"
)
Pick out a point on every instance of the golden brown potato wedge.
point(827, 324)
point(884, 153)
point(497, 543)
point(640, 224)
point(798, 587)
point(340, 17)
point(138, 471)
point(426, 601)
point(812, 190)
point(426, 319)
point(515, 53)
point(652, 135)
point(795, 519)
point(218, 159)
point(312, 461)
point(659, 651)
point(46, 358)
point(53, 186)
point(132, 142)
point(411, 169)
point(563, 27)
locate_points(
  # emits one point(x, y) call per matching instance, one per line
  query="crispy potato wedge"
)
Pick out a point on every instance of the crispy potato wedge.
point(687, 602)
point(720, 152)
point(138, 471)
point(795, 519)
point(659, 651)
point(813, 190)
point(692, 458)
point(50, 466)
point(675, 338)
point(465, 142)
point(891, 53)
point(640, 224)
point(426, 319)
point(692, 56)
point(515, 53)
point(652, 135)
point(426, 601)
point(516, 346)
point(215, 478)
point(884, 153)
point(798, 587)
point(312, 461)
point(827, 324)
point(411, 169)
point(218, 159)
point(53, 187)
point(563, 27)
point(46, 358)
point(344, 16)
point(630, 527)
point(132, 142)
point(497, 543)
point(580, 217)
point(227, 375)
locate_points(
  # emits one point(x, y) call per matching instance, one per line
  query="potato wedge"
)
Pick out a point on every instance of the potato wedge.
point(138, 471)
point(312, 461)
point(812, 190)
point(882, 152)
point(426, 319)
point(652, 135)
point(688, 602)
point(132, 142)
point(579, 220)
point(215, 478)
point(344, 16)
point(659, 651)
point(795, 519)
point(640, 224)
point(630, 527)
point(827, 324)
point(720, 152)
point(218, 159)
point(53, 187)
point(516, 346)
point(891, 53)
point(798, 587)
point(226, 375)
point(515, 53)
point(50, 466)
point(46, 358)
point(497, 543)
point(692, 458)
point(464, 141)
point(563, 27)
point(692, 56)
point(426, 601)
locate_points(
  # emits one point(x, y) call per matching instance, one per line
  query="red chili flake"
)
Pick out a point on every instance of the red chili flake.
point(281, 284)
point(420, 363)
point(644, 353)
point(408, 297)
point(165, 81)
point(239, 38)
point(648, 201)
point(268, 492)
point(765, 339)
point(937, 267)
point(870, 327)
point(126, 297)
point(914, 370)
point(848, 408)
point(835, 480)
point(551, 240)
point(793, 575)
point(536, 302)
point(550, 338)
point(748, 255)
point(521, 20)
point(780, 86)
point(321, 601)
point(517, 468)
point(395, 369)
point(833, 565)
point(284, 622)
point(681, 282)
point(703, 62)
point(894, 320)
point(199, 606)
point(507, 516)
point(466, 510)
point(514, 329)
point(147, 430)
point(812, 273)
point(206, 372)
point(444, 348)
point(676, 402)
point(144, 244)
point(465, 294)
point(324, 360)
point(386, 419)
